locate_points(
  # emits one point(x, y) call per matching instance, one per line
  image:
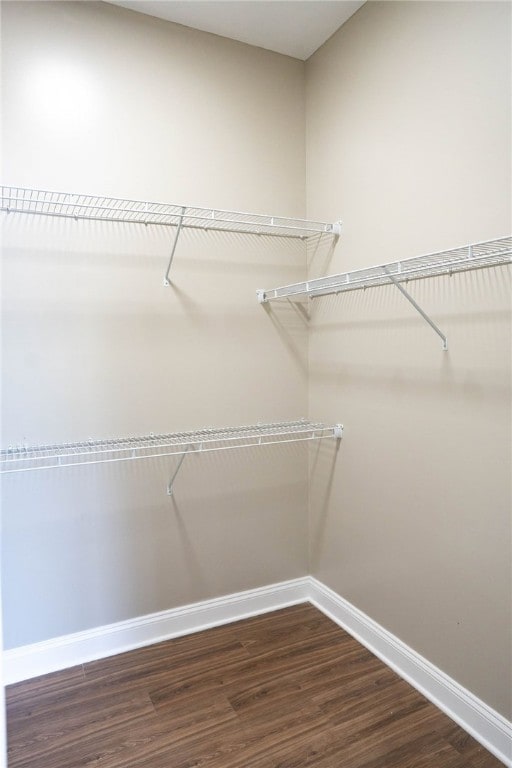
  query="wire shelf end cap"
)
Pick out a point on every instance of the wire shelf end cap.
point(338, 431)
point(260, 293)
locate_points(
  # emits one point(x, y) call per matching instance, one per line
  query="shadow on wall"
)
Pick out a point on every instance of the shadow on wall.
point(411, 383)
point(320, 250)
point(321, 478)
point(197, 573)
point(290, 319)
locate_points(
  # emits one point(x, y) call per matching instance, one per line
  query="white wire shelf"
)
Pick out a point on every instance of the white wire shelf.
point(101, 208)
point(491, 253)
point(24, 458)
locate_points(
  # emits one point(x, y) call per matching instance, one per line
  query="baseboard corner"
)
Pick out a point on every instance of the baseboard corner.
point(482, 722)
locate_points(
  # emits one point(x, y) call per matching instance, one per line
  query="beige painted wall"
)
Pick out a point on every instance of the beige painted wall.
point(103, 100)
point(408, 141)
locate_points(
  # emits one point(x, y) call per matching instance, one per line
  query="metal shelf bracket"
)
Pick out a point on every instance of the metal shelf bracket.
point(170, 489)
point(167, 282)
point(418, 309)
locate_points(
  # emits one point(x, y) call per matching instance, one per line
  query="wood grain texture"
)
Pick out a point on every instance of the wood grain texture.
point(283, 690)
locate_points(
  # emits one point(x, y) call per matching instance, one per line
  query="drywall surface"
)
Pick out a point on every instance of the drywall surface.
point(102, 100)
point(3, 735)
point(408, 141)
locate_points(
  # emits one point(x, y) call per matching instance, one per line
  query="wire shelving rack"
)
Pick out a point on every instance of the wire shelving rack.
point(23, 458)
point(101, 208)
point(491, 253)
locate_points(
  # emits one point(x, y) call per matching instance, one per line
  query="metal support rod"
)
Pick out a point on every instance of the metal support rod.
point(418, 309)
point(167, 282)
point(180, 462)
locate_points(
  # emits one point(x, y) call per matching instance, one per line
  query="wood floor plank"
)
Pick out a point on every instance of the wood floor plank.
point(283, 690)
point(251, 671)
point(356, 745)
point(210, 748)
point(268, 636)
point(423, 752)
point(56, 682)
point(170, 658)
point(110, 747)
point(473, 752)
point(54, 738)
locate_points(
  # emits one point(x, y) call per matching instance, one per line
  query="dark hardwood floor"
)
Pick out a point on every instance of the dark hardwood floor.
point(284, 690)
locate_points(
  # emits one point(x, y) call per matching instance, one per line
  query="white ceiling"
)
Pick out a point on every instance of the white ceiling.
point(293, 27)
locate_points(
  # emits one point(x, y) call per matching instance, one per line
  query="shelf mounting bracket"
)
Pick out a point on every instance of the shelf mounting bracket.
point(173, 478)
point(167, 282)
point(418, 309)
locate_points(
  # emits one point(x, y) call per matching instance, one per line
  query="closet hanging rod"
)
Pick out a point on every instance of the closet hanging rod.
point(26, 458)
point(120, 210)
point(490, 253)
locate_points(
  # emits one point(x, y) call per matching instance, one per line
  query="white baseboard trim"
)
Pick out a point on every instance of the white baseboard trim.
point(486, 725)
point(36, 659)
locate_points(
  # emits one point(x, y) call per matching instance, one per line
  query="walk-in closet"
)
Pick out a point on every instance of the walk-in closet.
point(256, 417)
